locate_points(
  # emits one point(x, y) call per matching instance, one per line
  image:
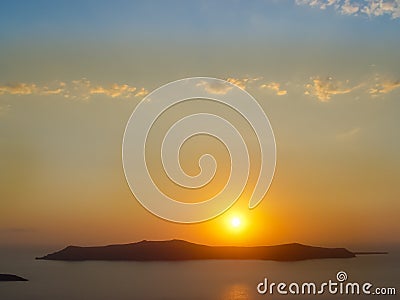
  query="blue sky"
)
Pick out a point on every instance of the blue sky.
point(97, 20)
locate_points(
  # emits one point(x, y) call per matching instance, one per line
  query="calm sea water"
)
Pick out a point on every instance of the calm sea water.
point(223, 280)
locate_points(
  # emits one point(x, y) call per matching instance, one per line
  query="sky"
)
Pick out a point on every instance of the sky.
point(326, 73)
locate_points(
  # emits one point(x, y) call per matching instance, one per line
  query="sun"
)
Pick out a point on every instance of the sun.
point(236, 222)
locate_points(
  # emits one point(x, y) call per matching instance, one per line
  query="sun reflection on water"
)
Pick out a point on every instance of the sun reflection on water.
point(236, 292)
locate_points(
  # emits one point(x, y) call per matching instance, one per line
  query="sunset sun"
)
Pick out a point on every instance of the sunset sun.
point(236, 222)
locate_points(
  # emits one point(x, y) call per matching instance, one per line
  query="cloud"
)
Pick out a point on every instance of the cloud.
point(370, 8)
point(142, 92)
point(78, 89)
point(84, 89)
point(239, 82)
point(349, 8)
point(221, 88)
point(243, 83)
point(348, 134)
point(324, 89)
point(75, 89)
point(18, 89)
point(215, 87)
point(384, 87)
point(379, 8)
point(318, 3)
point(274, 86)
point(47, 90)
point(115, 90)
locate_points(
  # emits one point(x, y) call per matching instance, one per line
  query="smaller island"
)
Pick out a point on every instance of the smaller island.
point(11, 277)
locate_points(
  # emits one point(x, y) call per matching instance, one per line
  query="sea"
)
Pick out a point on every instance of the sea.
point(203, 280)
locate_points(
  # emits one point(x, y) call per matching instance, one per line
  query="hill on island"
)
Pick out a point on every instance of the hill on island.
point(176, 250)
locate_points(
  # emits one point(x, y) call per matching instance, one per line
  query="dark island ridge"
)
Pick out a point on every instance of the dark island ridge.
point(177, 250)
point(11, 277)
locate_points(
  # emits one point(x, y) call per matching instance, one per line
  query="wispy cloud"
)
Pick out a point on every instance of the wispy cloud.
point(348, 134)
point(349, 8)
point(214, 87)
point(318, 3)
point(141, 92)
point(18, 89)
point(115, 90)
point(47, 90)
point(239, 82)
point(76, 89)
point(370, 8)
point(379, 8)
point(384, 86)
point(324, 89)
point(274, 86)
point(243, 82)
point(221, 88)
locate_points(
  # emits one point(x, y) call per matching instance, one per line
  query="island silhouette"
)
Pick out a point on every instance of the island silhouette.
point(11, 277)
point(178, 250)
